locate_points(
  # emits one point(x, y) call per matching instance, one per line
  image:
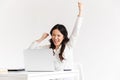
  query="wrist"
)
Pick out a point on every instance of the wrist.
point(39, 40)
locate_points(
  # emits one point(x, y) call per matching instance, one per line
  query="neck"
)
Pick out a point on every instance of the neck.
point(57, 47)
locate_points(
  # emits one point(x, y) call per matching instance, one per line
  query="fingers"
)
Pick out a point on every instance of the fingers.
point(80, 5)
point(45, 35)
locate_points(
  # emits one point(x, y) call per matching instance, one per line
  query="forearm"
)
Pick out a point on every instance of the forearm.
point(78, 22)
point(40, 40)
point(75, 32)
point(77, 26)
point(79, 14)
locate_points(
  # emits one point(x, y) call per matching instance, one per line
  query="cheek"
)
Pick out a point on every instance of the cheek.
point(52, 38)
point(61, 39)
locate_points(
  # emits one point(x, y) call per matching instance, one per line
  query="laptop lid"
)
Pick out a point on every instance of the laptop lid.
point(38, 60)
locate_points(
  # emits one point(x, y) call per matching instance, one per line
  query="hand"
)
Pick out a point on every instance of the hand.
point(44, 36)
point(80, 7)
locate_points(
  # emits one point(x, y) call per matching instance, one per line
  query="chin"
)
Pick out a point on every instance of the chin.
point(57, 44)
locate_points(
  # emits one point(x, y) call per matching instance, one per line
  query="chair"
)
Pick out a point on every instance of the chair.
point(79, 68)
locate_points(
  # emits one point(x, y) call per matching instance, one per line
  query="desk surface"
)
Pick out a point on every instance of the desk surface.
point(24, 73)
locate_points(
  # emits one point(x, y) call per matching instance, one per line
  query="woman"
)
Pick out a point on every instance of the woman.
point(61, 45)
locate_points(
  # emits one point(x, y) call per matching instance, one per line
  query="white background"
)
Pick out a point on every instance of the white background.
point(98, 47)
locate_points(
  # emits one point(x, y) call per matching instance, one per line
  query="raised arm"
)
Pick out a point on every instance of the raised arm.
point(80, 8)
point(36, 43)
point(77, 26)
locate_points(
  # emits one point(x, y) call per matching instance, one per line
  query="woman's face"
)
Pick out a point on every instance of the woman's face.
point(57, 37)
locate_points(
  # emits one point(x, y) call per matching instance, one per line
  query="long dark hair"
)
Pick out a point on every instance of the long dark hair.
point(63, 30)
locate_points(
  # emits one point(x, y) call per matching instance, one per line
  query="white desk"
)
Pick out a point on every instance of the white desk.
point(22, 75)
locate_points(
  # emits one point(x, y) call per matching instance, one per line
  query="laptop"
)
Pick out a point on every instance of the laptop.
point(38, 60)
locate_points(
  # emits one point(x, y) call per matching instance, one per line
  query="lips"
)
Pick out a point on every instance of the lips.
point(56, 42)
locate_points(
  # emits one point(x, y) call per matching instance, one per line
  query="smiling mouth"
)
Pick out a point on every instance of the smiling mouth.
point(55, 42)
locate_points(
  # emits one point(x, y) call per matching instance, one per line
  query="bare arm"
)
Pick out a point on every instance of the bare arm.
point(44, 36)
point(35, 44)
point(80, 7)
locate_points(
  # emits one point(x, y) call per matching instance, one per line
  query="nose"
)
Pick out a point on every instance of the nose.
point(56, 37)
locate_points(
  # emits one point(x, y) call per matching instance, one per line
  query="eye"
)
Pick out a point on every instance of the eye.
point(59, 35)
point(53, 34)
